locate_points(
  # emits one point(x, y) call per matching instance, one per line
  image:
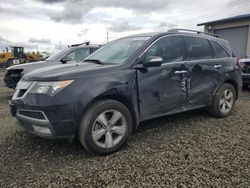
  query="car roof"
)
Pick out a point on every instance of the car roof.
point(171, 32)
point(185, 32)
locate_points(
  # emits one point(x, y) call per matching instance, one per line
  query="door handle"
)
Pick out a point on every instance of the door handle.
point(217, 66)
point(180, 72)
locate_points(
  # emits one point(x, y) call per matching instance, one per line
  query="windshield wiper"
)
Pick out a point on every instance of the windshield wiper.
point(97, 61)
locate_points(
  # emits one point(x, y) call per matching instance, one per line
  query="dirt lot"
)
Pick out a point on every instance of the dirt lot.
point(185, 150)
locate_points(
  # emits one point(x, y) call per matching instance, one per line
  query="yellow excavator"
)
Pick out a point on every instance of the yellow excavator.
point(17, 56)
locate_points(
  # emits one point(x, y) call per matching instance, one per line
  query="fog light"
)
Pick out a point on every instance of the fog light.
point(44, 130)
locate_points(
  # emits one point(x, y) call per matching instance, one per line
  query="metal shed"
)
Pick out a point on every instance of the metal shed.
point(235, 30)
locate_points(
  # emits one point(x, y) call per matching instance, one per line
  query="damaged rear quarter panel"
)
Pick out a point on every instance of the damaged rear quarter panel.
point(203, 80)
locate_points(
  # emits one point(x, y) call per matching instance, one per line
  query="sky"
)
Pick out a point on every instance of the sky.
point(48, 25)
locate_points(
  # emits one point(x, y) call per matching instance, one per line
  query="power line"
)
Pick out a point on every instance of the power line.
point(202, 10)
point(212, 16)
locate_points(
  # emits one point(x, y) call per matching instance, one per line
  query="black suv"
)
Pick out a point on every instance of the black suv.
point(73, 54)
point(128, 81)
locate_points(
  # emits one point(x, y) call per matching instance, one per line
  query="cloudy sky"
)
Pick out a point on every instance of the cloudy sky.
point(48, 23)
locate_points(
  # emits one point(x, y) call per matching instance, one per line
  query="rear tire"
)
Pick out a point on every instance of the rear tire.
point(105, 127)
point(223, 102)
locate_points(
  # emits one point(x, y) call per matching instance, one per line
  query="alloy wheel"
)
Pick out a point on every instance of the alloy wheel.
point(109, 128)
point(226, 101)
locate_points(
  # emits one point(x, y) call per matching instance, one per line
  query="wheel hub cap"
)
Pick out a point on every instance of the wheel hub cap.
point(109, 129)
point(226, 101)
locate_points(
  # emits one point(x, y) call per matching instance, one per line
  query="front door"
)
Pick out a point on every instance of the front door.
point(162, 90)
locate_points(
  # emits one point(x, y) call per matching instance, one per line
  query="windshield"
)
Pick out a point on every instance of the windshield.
point(56, 56)
point(119, 51)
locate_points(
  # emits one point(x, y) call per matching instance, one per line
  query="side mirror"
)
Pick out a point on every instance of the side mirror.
point(65, 59)
point(153, 61)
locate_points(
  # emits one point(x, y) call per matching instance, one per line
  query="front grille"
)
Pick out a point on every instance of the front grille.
point(21, 89)
point(32, 114)
point(21, 92)
point(246, 69)
point(12, 77)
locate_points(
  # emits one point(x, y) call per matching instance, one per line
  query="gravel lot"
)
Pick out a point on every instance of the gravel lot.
point(186, 150)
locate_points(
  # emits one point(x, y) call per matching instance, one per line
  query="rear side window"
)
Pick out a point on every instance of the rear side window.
point(219, 51)
point(169, 48)
point(197, 49)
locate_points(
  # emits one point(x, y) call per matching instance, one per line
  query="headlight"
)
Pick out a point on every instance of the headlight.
point(50, 88)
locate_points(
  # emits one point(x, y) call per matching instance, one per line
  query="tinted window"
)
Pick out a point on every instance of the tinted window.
point(79, 54)
point(197, 48)
point(219, 51)
point(169, 48)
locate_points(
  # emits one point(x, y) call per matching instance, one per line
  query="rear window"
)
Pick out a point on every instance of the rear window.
point(197, 49)
point(219, 51)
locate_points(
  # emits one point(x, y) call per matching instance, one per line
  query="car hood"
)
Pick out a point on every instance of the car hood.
point(66, 71)
point(28, 67)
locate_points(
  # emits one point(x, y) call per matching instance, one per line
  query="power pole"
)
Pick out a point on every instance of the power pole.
point(107, 36)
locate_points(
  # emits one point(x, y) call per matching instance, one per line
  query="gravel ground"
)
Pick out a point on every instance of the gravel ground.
point(186, 150)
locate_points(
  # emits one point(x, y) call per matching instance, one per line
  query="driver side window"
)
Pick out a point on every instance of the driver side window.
point(169, 48)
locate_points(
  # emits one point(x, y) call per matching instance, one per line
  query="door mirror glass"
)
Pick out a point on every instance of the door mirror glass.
point(66, 59)
point(153, 61)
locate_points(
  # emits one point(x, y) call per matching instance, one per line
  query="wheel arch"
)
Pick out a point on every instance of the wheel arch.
point(124, 99)
point(231, 82)
point(126, 102)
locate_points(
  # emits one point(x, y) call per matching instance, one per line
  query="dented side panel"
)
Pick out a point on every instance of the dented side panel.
point(203, 79)
point(162, 90)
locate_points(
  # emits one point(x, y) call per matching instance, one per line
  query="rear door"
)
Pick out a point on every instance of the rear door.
point(205, 71)
point(162, 90)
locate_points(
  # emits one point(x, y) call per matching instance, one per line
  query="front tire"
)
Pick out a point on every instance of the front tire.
point(224, 101)
point(105, 127)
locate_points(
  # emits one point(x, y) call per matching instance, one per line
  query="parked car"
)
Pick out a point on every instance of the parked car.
point(128, 81)
point(73, 54)
point(246, 71)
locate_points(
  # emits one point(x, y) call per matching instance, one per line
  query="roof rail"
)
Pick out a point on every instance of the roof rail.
point(193, 31)
point(75, 45)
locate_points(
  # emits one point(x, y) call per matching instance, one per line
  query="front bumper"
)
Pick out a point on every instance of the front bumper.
point(54, 122)
point(40, 122)
point(44, 115)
